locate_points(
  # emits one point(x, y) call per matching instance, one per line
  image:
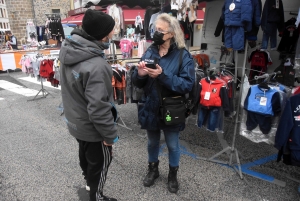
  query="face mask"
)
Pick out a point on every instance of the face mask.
point(107, 44)
point(158, 38)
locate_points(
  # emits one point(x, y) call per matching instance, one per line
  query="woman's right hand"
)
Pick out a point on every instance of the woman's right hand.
point(142, 69)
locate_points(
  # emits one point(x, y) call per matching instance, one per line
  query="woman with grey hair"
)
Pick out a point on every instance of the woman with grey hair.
point(169, 65)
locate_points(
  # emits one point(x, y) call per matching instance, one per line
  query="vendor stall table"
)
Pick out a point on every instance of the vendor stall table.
point(10, 60)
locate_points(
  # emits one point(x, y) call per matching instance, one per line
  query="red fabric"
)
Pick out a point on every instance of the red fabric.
point(259, 59)
point(46, 68)
point(214, 90)
point(296, 90)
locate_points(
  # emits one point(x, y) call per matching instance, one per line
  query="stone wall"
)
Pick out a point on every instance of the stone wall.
point(19, 11)
point(45, 6)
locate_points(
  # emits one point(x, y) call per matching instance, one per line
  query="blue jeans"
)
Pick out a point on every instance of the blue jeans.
point(271, 34)
point(172, 141)
point(209, 117)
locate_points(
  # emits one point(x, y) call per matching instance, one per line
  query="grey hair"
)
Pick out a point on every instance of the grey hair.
point(174, 27)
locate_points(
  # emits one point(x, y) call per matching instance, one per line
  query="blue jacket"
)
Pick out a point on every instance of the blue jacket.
point(241, 16)
point(253, 100)
point(256, 11)
point(288, 130)
point(174, 80)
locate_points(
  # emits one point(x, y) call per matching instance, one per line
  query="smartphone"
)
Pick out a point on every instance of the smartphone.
point(151, 65)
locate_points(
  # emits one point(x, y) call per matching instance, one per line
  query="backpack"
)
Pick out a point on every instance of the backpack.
point(192, 96)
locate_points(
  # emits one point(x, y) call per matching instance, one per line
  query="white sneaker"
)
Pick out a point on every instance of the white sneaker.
point(87, 188)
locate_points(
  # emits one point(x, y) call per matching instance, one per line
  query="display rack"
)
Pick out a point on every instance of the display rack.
point(231, 151)
point(44, 92)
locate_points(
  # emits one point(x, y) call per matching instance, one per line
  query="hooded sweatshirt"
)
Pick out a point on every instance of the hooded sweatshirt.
point(86, 89)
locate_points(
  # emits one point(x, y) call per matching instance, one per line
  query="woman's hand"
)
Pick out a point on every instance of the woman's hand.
point(142, 69)
point(109, 145)
point(154, 72)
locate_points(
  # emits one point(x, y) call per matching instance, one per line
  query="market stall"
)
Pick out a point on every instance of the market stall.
point(10, 60)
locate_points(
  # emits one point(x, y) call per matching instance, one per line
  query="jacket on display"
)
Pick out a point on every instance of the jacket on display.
point(264, 102)
point(256, 21)
point(272, 15)
point(174, 81)
point(287, 138)
point(287, 73)
point(86, 88)
point(236, 22)
point(290, 35)
point(218, 95)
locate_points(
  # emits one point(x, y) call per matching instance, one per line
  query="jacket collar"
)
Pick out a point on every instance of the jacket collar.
point(83, 34)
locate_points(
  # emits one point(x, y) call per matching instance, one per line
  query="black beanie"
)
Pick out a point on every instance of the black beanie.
point(97, 24)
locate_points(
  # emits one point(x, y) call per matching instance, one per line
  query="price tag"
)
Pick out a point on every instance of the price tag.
point(232, 7)
point(263, 101)
point(207, 96)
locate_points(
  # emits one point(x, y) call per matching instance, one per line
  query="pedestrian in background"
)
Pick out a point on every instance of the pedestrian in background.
point(87, 94)
point(13, 41)
point(175, 79)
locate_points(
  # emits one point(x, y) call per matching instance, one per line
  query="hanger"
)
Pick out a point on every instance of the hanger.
point(264, 85)
point(212, 74)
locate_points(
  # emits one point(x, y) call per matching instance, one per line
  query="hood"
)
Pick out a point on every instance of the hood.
point(80, 47)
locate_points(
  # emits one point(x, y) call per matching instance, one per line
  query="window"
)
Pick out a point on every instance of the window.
point(55, 10)
point(4, 13)
point(1, 12)
point(1, 25)
point(4, 26)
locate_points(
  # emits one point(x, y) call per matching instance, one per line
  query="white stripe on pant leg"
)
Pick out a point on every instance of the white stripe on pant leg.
point(1, 98)
point(103, 174)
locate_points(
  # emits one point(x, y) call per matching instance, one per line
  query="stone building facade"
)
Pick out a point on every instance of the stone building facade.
point(19, 11)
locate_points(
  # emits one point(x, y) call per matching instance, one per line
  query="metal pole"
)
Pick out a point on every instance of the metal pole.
point(239, 102)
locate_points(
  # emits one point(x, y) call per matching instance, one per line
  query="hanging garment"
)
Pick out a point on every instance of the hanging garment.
point(287, 73)
point(208, 117)
point(126, 47)
point(31, 31)
point(236, 15)
point(273, 13)
point(46, 68)
point(290, 37)
point(287, 139)
point(259, 63)
point(202, 61)
point(114, 12)
point(138, 22)
point(183, 6)
point(151, 24)
point(261, 105)
point(149, 12)
point(220, 29)
point(256, 21)
point(213, 93)
point(272, 20)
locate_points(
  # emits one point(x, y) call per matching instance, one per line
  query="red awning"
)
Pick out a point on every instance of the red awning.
point(130, 14)
point(200, 17)
point(75, 19)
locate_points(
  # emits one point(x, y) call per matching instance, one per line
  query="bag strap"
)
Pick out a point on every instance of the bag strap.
point(158, 85)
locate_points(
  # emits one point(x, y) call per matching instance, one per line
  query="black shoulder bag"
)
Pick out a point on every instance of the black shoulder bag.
point(172, 109)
